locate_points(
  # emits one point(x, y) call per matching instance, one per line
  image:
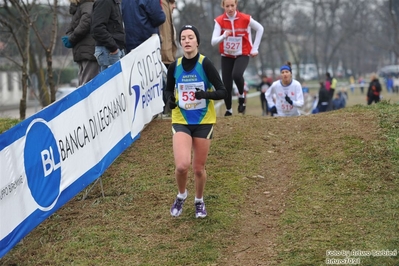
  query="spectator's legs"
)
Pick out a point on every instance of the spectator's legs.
point(87, 71)
point(263, 103)
point(262, 99)
point(101, 54)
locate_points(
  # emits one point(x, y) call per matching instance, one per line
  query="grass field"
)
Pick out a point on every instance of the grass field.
point(280, 191)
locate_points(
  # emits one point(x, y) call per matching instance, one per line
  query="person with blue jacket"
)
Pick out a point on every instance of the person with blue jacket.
point(141, 19)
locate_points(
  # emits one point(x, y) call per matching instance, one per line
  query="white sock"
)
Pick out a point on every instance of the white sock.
point(182, 196)
point(198, 200)
point(230, 110)
point(241, 96)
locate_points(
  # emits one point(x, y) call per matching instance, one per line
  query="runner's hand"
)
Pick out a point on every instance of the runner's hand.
point(288, 99)
point(273, 110)
point(172, 102)
point(200, 94)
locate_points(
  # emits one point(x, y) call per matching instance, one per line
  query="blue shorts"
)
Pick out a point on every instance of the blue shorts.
point(203, 131)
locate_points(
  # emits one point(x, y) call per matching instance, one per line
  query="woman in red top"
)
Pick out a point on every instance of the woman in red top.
point(232, 32)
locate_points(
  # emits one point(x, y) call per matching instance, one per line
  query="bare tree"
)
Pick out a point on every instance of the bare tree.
point(20, 17)
point(332, 24)
point(48, 48)
point(18, 28)
point(266, 12)
point(296, 37)
point(393, 7)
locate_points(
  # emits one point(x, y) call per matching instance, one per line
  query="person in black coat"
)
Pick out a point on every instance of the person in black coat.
point(79, 39)
point(108, 31)
point(263, 86)
point(324, 98)
point(374, 90)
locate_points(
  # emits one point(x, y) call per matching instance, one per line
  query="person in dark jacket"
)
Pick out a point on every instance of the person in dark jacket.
point(108, 32)
point(79, 38)
point(142, 19)
point(339, 100)
point(374, 91)
point(324, 98)
point(263, 86)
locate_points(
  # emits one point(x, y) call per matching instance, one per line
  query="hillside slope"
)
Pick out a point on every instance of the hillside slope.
point(277, 194)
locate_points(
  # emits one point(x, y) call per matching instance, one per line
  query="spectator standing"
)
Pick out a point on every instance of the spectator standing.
point(389, 84)
point(395, 84)
point(352, 84)
point(263, 86)
point(192, 84)
point(142, 19)
point(361, 83)
point(168, 34)
point(232, 31)
point(324, 98)
point(288, 93)
point(305, 88)
point(331, 84)
point(327, 83)
point(340, 100)
point(168, 39)
point(374, 90)
point(108, 32)
point(79, 39)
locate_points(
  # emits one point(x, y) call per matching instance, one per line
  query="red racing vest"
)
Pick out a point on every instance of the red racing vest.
point(233, 47)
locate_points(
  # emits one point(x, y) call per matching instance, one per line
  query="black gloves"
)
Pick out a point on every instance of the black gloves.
point(200, 94)
point(273, 110)
point(288, 99)
point(172, 102)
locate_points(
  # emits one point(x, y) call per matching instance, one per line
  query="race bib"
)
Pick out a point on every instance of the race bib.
point(233, 46)
point(286, 107)
point(187, 99)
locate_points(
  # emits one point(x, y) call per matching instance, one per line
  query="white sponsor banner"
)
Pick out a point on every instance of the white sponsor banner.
point(53, 155)
point(143, 71)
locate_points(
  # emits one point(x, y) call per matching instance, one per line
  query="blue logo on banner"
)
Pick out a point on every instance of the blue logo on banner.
point(41, 150)
point(136, 89)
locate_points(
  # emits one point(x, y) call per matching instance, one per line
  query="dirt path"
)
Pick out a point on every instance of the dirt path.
point(256, 242)
point(283, 143)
